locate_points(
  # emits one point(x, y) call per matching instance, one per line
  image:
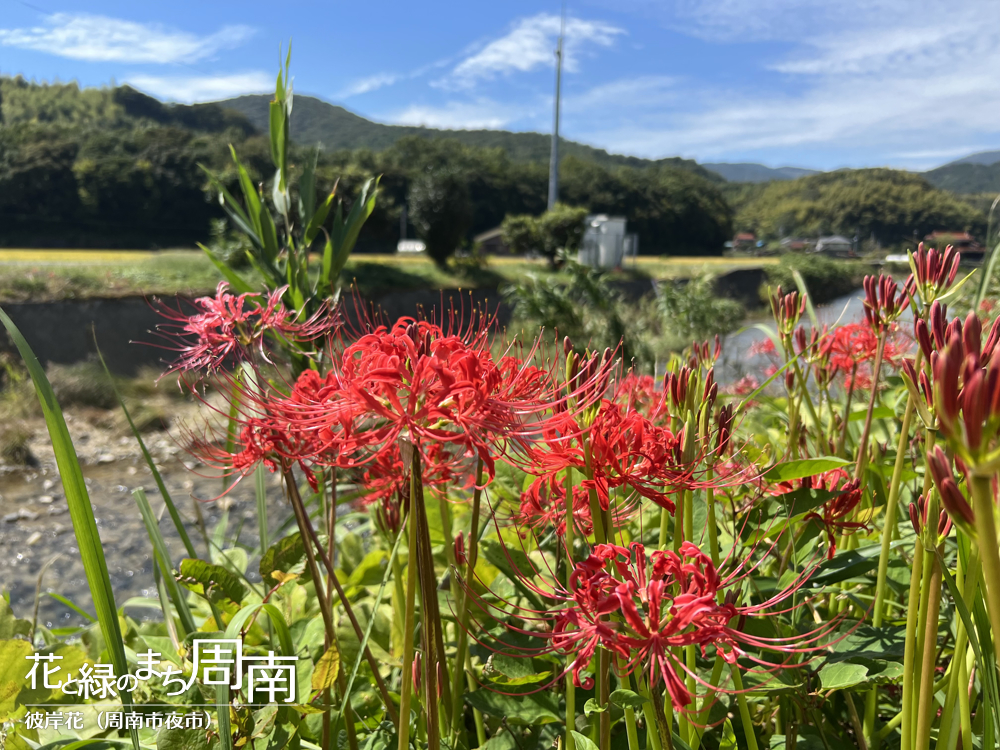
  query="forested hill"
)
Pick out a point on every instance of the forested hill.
point(316, 121)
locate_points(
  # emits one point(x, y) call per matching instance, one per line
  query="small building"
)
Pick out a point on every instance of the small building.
point(744, 241)
point(964, 242)
point(491, 242)
point(797, 244)
point(835, 246)
point(603, 244)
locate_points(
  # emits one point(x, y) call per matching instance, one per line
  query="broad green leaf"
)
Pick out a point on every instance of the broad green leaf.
point(511, 670)
point(184, 739)
point(806, 467)
point(872, 643)
point(287, 556)
point(370, 571)
point(593, 707)
point(582, 741)
point(842, 675)
point(326, 669)
point(10, 625)
point(728, 739)
point(513, 563)
point(519, 710)
point(214, 582)
point(879, 412)
point(627, 699)
point(847, 564)
point(13, 668)
point(80, 510)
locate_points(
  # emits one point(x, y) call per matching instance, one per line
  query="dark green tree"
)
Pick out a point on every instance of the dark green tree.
point(441, 211)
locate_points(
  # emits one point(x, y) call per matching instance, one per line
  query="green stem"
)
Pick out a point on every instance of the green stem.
point(462, 637)
point(570, 742)
point(409, 625)
point(649, 713)
point(982, 499)
point(909, 650)
point(862, 457)
point(925, 709)
point(842, 440)
point(889, 526)
point(741, 701)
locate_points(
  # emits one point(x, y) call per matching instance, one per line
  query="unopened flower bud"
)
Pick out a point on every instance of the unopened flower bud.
point(789, 379)
point(460, 558)
point(914, 518)
point(567, 345)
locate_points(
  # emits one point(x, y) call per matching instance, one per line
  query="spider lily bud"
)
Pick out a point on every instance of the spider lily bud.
point(787, 309)
point(883, 301)
point(923, 336)
point(460, 558)
point(789, 380)
point(567, 346)
point(934, 271)
point(416, 672)
point(724, 420)
point(914, 518)
point(951, 497)
point(938, 323)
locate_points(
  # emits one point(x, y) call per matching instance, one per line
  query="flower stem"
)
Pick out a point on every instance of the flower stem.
point(889, 526)
point(862, 457)
point(741, 702)
point(462, 635)
point(409, 625)
point(982, 499)
point(925, 712)
point(842, 440)
point(570, 743)
point(912, 613)
point(649, 713)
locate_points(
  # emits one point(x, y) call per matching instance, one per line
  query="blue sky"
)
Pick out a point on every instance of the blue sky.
point(907, 83)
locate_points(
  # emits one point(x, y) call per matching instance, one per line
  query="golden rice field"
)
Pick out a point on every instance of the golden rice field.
point(39, 275)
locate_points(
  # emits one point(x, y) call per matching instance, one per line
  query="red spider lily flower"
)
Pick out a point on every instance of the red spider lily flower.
point(934, 272)
point(836, 512)
point(385, 482)
point(850, 345)
point(764, 346)
point(884, 302)
point(745, 385)
point(543, 507)
point(644, 607)
point(231, 326)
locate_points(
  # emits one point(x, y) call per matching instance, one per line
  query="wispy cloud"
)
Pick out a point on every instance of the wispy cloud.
point(203, 88)
point(82, 36)
point(370, 83)
point(528, 45)
point(482, 113)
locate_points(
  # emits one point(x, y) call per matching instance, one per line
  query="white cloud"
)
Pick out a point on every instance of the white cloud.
point(203, 88)
point(530, 44)
point(82, 36)
point(482, 113)
point(910, 82)
point(371, 83)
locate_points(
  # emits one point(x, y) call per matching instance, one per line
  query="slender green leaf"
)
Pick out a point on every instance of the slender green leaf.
point(806, 467)
point(63, 600)
point(163, 558)
point(175, 516)
point(81, 511)
point(234, 279)
point(260, 490)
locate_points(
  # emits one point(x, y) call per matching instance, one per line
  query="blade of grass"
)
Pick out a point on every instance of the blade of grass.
point(171, 508)
point(80, 510)
point(260, 487)
point(164, 561)
point(368, 630)
point(63, 600)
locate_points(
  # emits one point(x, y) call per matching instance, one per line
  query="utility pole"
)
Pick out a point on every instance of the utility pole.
point(554, 158)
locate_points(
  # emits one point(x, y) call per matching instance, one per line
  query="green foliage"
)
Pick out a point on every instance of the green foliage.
point(825, 278)
point(690, 309)
point(441, 210)
point(890, 204)
point(560, 229)
point(581, 304)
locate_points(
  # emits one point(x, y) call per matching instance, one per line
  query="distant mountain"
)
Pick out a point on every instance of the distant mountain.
point(316, 121)
point(746, 172)
point(966, 177)
point(983, 157)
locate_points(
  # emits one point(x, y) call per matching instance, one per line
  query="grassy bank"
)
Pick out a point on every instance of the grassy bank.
point(43, 275)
